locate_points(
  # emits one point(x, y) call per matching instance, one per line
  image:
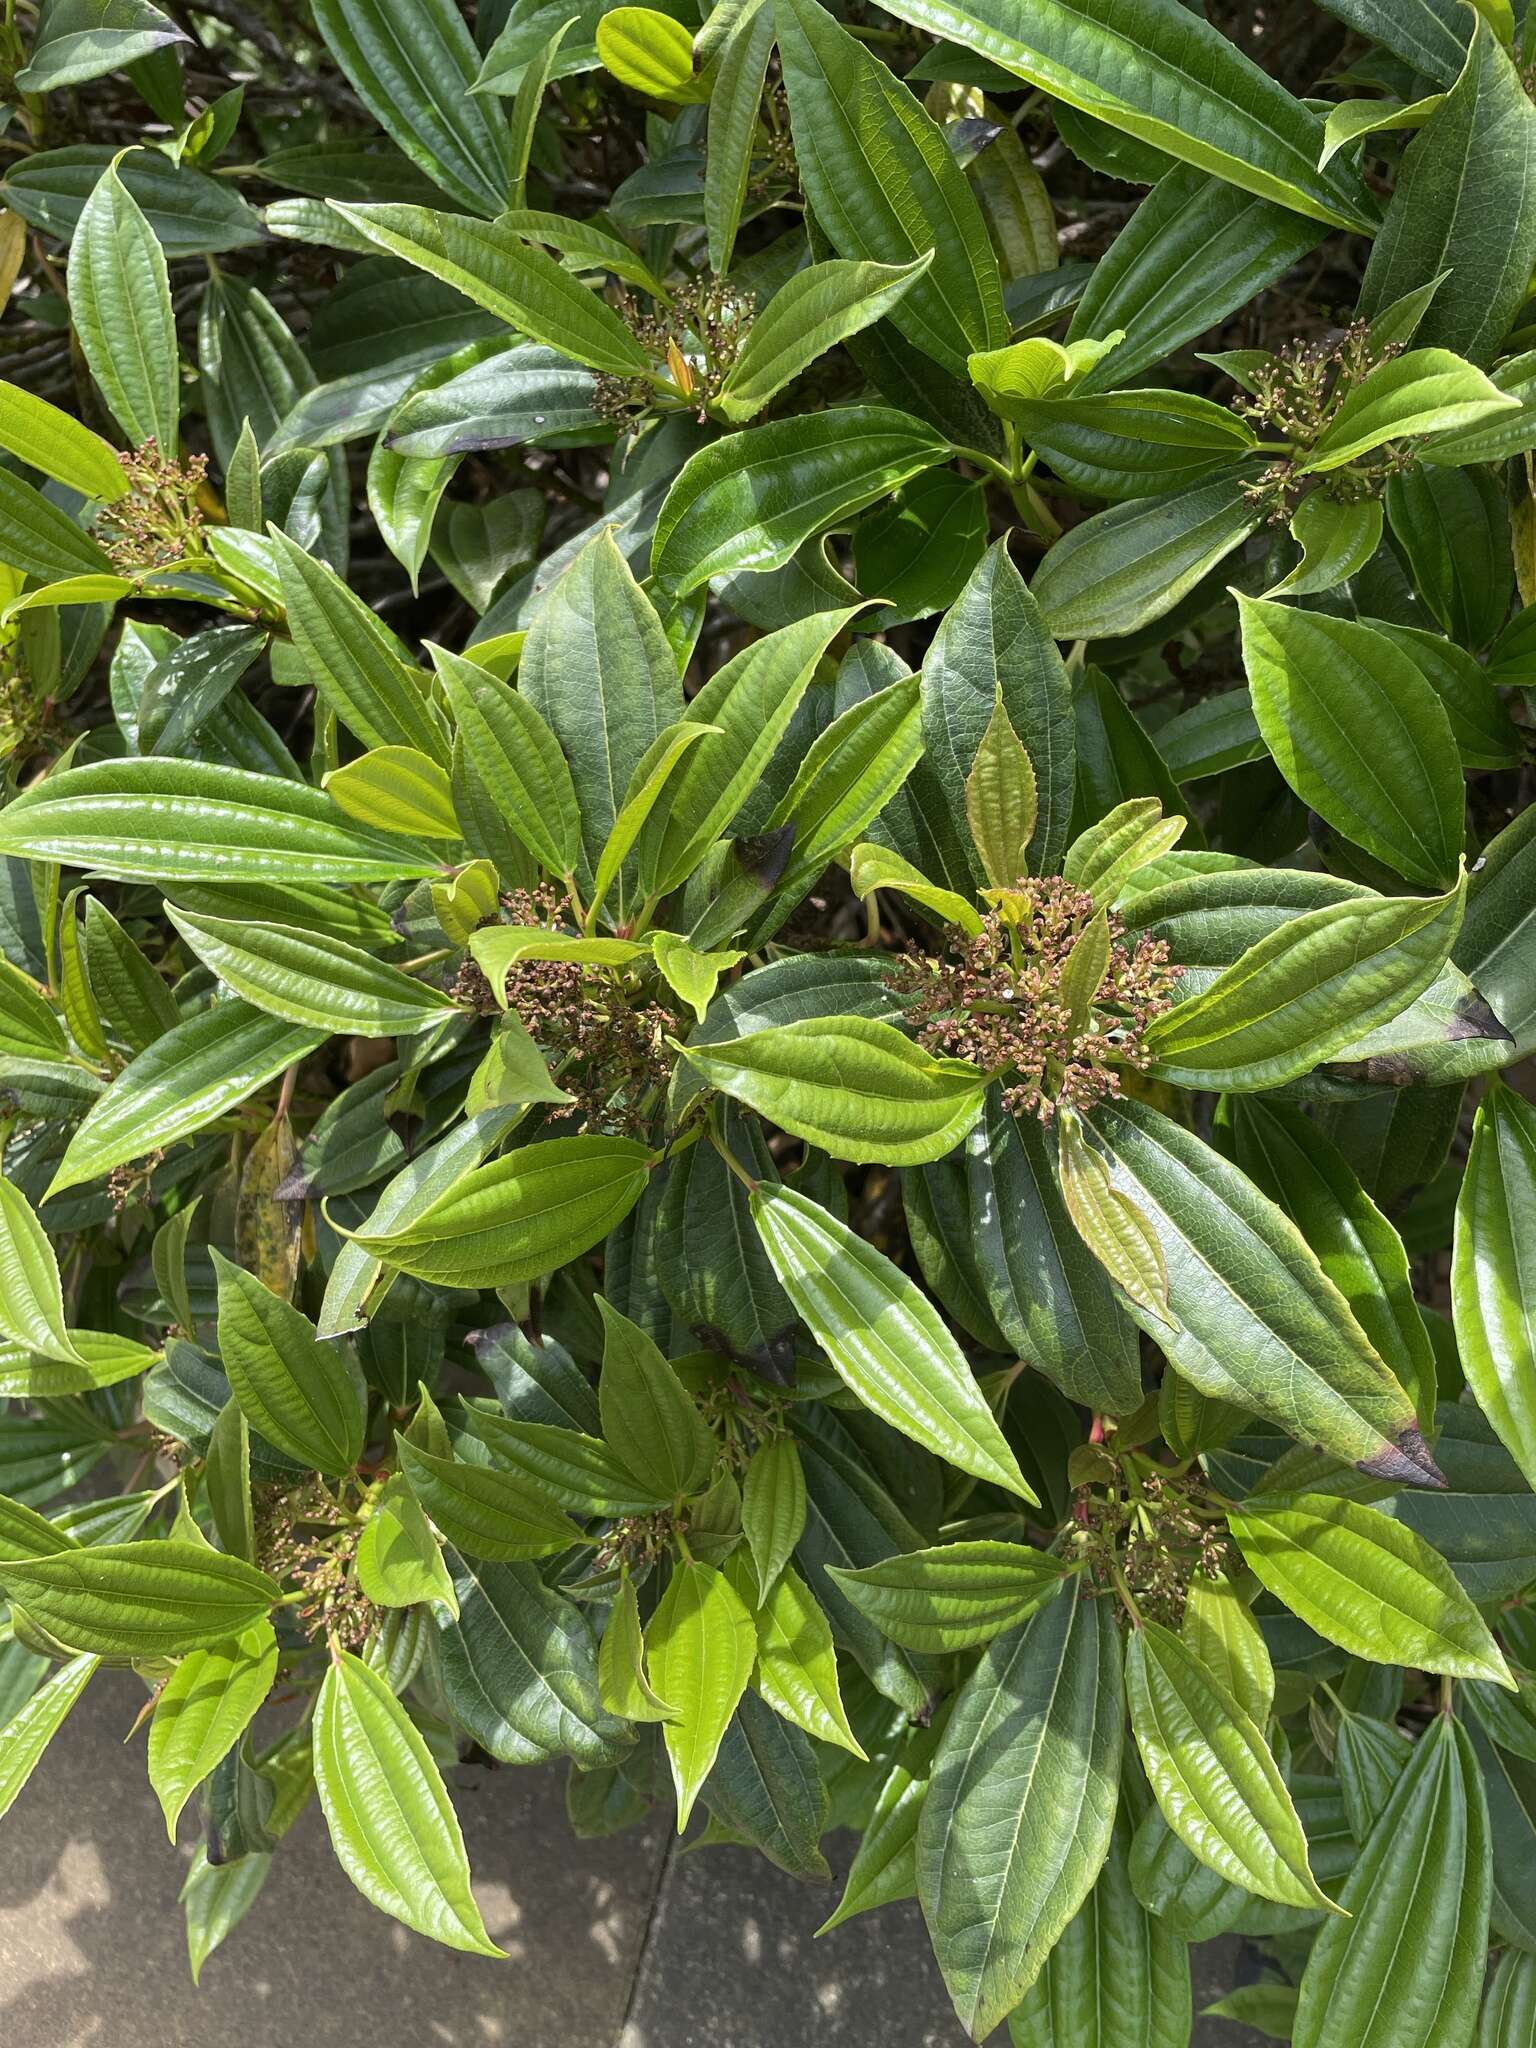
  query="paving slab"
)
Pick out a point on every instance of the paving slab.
point(92, 1952)
point(621, 1943)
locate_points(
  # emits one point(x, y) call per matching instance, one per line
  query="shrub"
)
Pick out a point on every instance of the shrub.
point(769, 895)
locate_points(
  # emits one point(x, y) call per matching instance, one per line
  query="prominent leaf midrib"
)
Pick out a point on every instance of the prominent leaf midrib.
point(562, 1708)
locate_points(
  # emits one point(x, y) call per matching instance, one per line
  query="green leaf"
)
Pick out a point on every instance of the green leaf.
point(702, 1645)
point(203, 1709)
point(773, 1506)
point(1307, 990)
point(1367, 1583)
point(78, 40)
point(399, 1562)
point(1132, 444)
point(650, 53)
point(1481, 139)
point(60, 446)
point(1336, 541)
point(884, 1866)
point(853, 1085)
point(734, 105)
point(872, 867)
point(767, 1791)
point(300, 1394)
point(953, 1596)
point(153, 1598)
point(1121, 569)
point(484, 1512)
point(1509, 2007)
point(598, 667)
point(649, 1419)
point(1021, 1803)
point(498, 270)
point(1002, 800)
point(691, 975)
point(1110, 1224)
point(1405, 1969)
point(1257, 1322)
point(227, 1473)
point(1359, 735)
point(120, 302)
point(578, 1471)
point(882, 1336)
point(1118, 1974)
point(356, 664)
point(1292, 1161)
point(1147, 69)
point(797, 1663)
point(621, 1677)
point(1493, 1296)
point(518, 759)
point(412, 64)
point(993, 640)
point(195, 821)
point(322, 983)
point(31, 1295)
point(748, 500)
point(1428, 390)
point(34, 1724)
point(1219, 1787)
point(885, 187)
point(652, 791)
point(397, 788)
point(816, 310)
point(40, 539)
point(197, 1072)
point(392, 1823)
point(520, 1216)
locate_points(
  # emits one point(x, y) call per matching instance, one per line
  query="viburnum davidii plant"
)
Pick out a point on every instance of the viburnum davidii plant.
point(769, 908)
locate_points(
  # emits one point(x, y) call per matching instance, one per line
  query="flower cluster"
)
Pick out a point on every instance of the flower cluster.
point(1296, 394)
point(158, 520)
point(997, 1000)
point(610, 1053)
point(696, 338)
point(636, 1541)
point(304, 1539)
point(1152, 1540)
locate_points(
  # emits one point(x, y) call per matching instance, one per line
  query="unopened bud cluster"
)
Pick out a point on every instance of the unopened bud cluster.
point(158, 520)
point(1296, 395)
point(997, 1000)
point(696, 339)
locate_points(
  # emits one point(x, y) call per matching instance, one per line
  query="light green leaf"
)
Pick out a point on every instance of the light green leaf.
point(33, 1726)
point(484, 1512)
point(323, 983)
point(31, 1296)
point(1002, 800)
point(61, 446)
point(1105, 855)
point(1367, 1583)
point(1307, 990)
point(853, 1085)
point(876, 867)
point(1493, 1291)
point(1114, 1229)
point(1359, 735)
point(773, 1507)
point(153, 1598)
point(1220, 1629)
point(883, 1337)
point(520, 1216)
point(701, 1644)
point(203, 1709)
point(392, 1823)
point(1219, 1787)
point(518, 759)
point(816, 310)
point(797, 1663)
point(621, 1678)
point(650, 53)
point(1336, 539)
point(734, 104)
point(399, 1562)
point(1426, 391)
point(649, 1419)
point(398, 789)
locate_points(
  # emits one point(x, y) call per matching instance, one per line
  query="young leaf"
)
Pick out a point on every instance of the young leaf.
point(399, 1562)
point(392, 1823)
point(621, 1677)
point(63, 448)
point(31, 1296)
point(816, 310)
point(519, 760)
point(649, 1419)
point(882, 1336)
point(1002, 800)
point(1493, 1299)
point(35, 1723)
point(702, 1644)
point(797, 1664)
point(203, 1709)
point(1428, 390)
point(484, 1512)
point(773, 1507)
